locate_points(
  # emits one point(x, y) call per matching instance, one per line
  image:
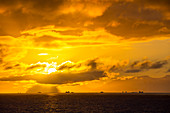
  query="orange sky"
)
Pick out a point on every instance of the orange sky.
point(84, 45)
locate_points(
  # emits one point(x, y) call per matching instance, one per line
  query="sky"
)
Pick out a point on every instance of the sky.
point(84, 46)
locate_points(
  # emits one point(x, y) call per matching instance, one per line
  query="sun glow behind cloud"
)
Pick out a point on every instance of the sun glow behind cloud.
point(51, 70)
point(43, 54)
point(48, 68)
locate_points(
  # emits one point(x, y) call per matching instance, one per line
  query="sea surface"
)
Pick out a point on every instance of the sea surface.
point(85, 103)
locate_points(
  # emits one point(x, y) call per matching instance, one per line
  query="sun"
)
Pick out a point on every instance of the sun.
point(51, 70)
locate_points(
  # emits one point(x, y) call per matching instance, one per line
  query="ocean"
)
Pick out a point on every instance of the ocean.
point(85, 103)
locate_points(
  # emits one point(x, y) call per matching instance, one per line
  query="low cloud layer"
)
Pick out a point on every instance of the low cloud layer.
point(88, 70)
point(138, 66)
point(42, 89)
point(59, 78)
point(145, 83)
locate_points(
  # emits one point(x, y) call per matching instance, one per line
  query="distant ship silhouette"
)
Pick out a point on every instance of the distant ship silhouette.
point(125, 92)
point(101, 92)
point(140, 91)
point(67, 91)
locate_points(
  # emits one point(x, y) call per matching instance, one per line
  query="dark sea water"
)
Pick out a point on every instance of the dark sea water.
point(88, 103)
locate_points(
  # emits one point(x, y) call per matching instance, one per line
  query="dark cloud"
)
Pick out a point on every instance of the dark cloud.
point(8, 68)
point(36, 66)
point(32, 6)
point(160, 3)
point(131, 20)
point(167, 76)
point(118, 67)
point(63, 78)
point(168, 70)
point(134, 63)
point(146, 64)
point(158, 64)
point(133, 71)
point(11, 65)
point(42, 7)
point(24, 15)
point(0, 60)
point(68, 66)
point(134, 67)
point(138, 66)
point(93, 64)
point(17, 65)
point(113, 68)
point(59, 78)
